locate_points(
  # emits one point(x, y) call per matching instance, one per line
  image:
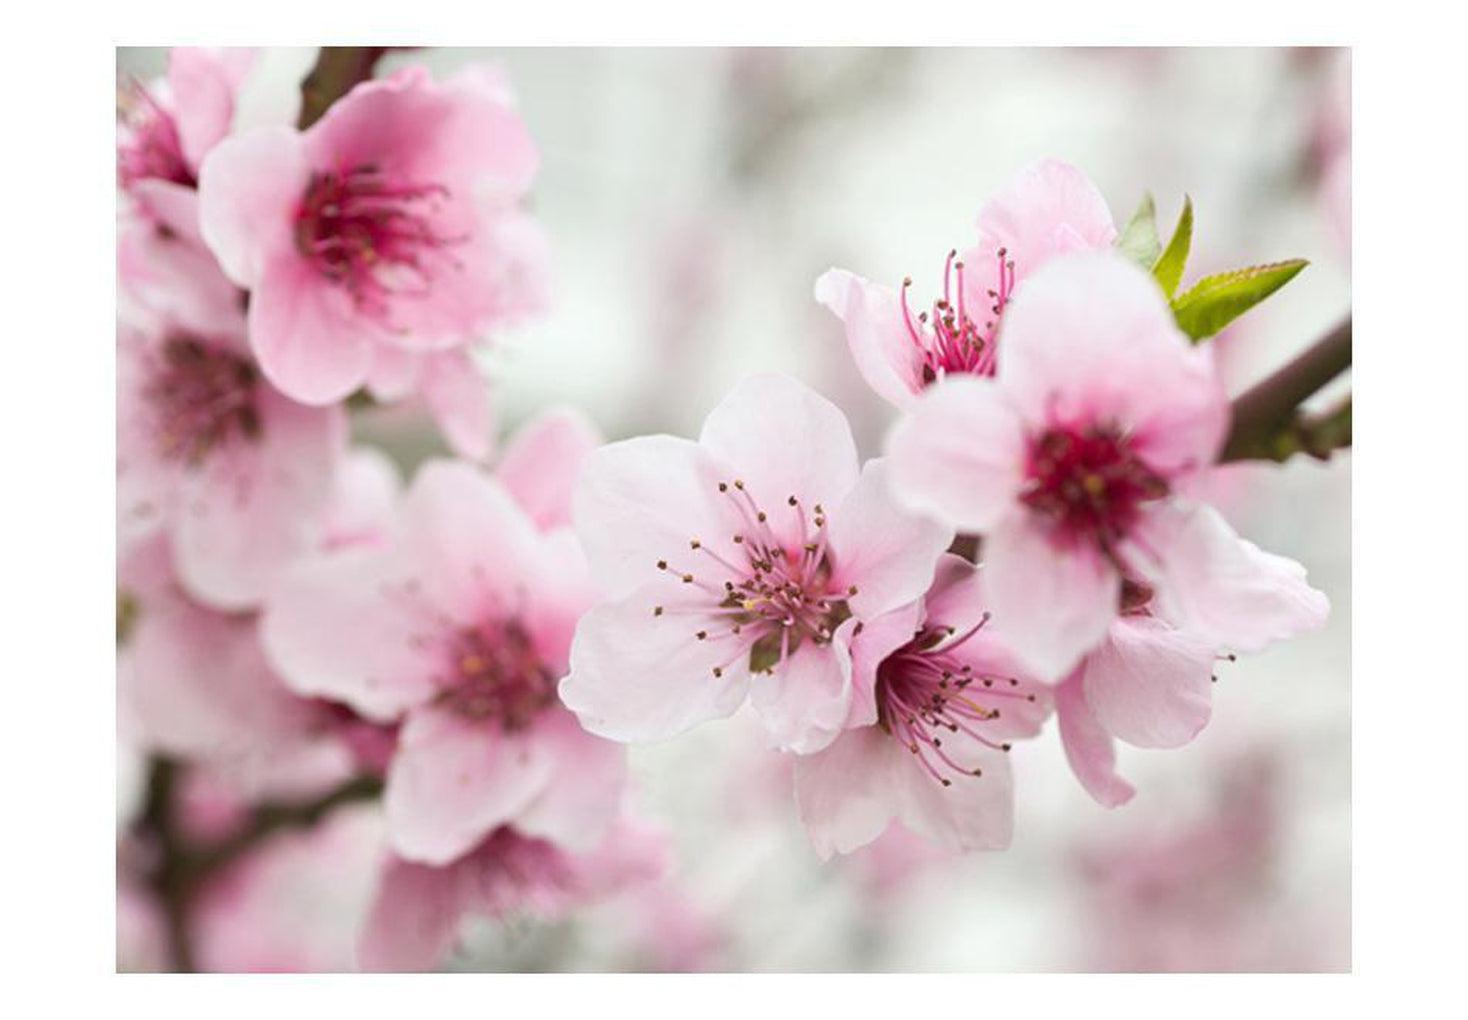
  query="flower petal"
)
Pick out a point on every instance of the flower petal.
point(248, 189)
point(1088, 747)
point(845, 793)
point(454, 779)
point(1222, 588)
point(637, 677)
point(881, 346)
point(541, 464)
point(960, 454)
point(1150, 684)
point(805, 702)
point(870, 642)
point(301, 329)
point(584, 793)
point(414, 918)
point(458, 397)
point(1051, 604)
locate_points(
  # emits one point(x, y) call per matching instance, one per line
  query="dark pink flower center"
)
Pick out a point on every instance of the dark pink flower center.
point(372, 235)
point(494, 674)
point(1090, 483)
point(926, 696)
point(149, 148)
point(774, 594)
point(951, 341)
point(202, 398)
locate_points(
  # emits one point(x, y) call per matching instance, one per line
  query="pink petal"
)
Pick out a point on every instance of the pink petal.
point(1150, 684)
point(783, 439)
point(804, 704)
point(974, 813)
point(584, 793)
point(637, 677)
point(474, 548)
point(1088, 747)
point(458, 397)
point(364, 505)
point(542, 462)
point(957, 599)
point(845, 794)
point(1090, 339)
point(1049, 208)
point(960, 454)
point(559, 593)
point(1051, 604)
point(252, 509)
point(203, 84)
point(870, 642)
point(337, 628)
point(642, 500)
point(308, 342)
point(454, 779)
point(414, 919)
point(177, 283)
point(174, 207)
point(881, 346)
point(248, 190)
point(1222, 588)
point(883, 551)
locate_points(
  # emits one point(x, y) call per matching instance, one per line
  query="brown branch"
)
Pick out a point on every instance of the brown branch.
point(1267, 422)
point(337, 70)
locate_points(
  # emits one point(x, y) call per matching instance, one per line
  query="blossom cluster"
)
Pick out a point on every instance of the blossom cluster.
point(483, 640)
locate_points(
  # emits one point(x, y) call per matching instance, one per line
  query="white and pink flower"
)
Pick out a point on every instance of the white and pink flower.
point(460, 628)
point(1049, 209)
point(385, 237)
point(1074, 464)
point(739, 565)
point(939, 702)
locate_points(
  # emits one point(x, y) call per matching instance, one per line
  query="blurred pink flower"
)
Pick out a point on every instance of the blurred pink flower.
point(168, 127)
point(295, 903)
point(385, 234)
point(235, 473)
point(938, 700)
point(738, 565)
point(1048, 209)
point(1074, 465)
point(460, 628)
point(415, 917)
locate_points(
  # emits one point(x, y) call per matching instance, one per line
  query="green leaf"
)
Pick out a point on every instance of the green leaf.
point(1168, 269)
point(1215, 301)
point(1139, 241)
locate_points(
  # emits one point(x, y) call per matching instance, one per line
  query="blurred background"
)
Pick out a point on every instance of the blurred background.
point(692, 198)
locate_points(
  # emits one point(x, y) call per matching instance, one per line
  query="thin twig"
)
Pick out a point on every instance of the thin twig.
point(1271, 408)
point(337, 70)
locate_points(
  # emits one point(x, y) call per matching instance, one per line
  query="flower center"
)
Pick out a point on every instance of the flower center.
point(202, 399)
point(1089, 483)
point(150, 148)
point(951, 341)
point(494, 673)
point(925, 696)
point(774, 594)
point(373, 236)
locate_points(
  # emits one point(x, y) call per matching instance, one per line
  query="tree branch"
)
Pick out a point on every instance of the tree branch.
point(337, 70)
point(1267, 424)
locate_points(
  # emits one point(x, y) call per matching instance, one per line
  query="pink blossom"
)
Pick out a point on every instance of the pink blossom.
point(460, 628)
point(384, 233)
point(1149, 683)
point(939, 701)
point(739, 565)
point(415, 918)
point(1048, 209)
point(167, 128)
point(295, 903)
point(1074, 463)
point(209, 453)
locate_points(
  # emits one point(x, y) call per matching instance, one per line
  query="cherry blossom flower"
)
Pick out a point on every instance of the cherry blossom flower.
point(1048, 209)
point(738, 565)
point(1074, 463)
point(168, 127)
point(460, 628)
point(384, 234)
point(418, 909)
point(1149, 684)
point(234, 472)
point(940, 702)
